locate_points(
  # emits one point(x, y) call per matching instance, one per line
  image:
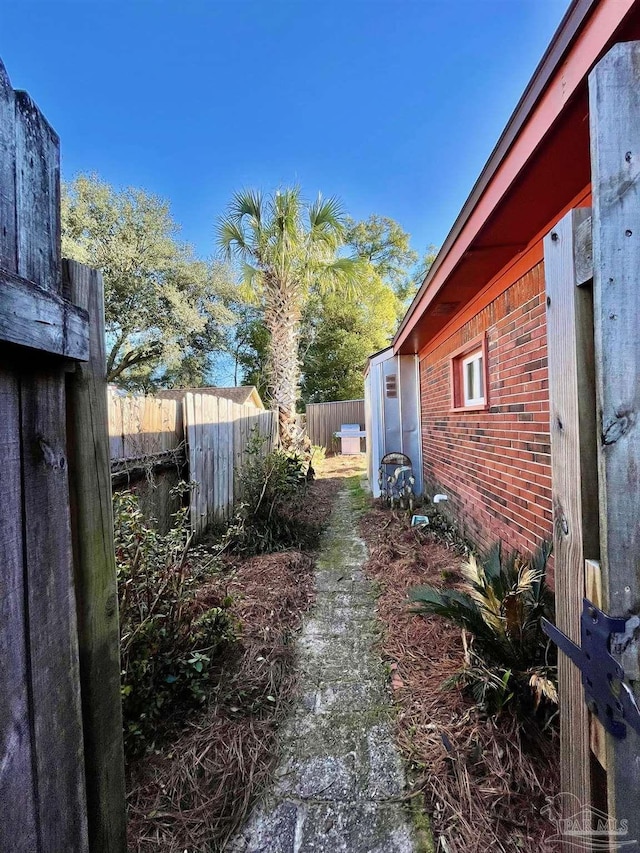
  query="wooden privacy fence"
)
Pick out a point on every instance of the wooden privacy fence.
point(142, 427)
point(218, 434)
point(146, 442)
point(592, 258)
point(211, 434)
point(61, 756)
point(325, 419)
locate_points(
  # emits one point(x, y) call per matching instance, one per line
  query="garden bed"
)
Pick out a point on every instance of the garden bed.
point(484, 781)
point(192, 791)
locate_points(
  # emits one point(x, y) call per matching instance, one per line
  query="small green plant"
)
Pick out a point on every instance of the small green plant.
point(318, 454)
point(167, 641)
point(509, 661)
point(267, 518)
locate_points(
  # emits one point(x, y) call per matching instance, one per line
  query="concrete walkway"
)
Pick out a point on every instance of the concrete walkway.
point(339, 783)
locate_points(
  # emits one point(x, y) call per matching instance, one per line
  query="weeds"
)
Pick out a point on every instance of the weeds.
point(268, 518)
point(167, 641)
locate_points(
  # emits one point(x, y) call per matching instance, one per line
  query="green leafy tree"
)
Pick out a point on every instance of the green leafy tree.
point(286, 247)
point(408, 288)
point(249, 348)
point(385, 245)
point(165, 310)
point(341, 332)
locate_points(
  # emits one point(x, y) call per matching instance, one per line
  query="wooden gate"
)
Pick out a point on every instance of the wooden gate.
point(59, 702)
point(592, 269)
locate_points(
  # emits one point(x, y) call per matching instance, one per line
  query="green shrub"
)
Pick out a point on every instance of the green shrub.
point(509, 661)
point(167, 641)
point(268, 518)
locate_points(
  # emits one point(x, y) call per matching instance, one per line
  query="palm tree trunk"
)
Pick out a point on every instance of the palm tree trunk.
point(283, 370)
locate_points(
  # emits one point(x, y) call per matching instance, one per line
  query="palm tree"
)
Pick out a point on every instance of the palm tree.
point(286, 246)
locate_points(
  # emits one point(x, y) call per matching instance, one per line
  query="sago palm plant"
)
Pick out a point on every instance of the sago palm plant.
point(286, 246)
point(508, 658)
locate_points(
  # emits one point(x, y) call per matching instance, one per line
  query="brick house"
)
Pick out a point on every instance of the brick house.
point(478, 323)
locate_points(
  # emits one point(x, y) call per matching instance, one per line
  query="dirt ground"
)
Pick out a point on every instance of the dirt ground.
point(339, 784)
point(190, 794)
point(484, 782)
point(341, 467)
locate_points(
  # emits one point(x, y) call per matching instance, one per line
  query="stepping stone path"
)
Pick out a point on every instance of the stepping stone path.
point(340, 781)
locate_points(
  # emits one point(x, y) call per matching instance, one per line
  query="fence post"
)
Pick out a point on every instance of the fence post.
point(95, 575)
point(575, 484)
point(614, 108)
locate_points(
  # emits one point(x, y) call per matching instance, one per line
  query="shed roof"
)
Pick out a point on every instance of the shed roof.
point(243, 395)
point(539, 168)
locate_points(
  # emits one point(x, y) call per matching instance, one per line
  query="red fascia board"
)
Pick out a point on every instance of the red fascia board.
point(588, 27)
point(507, 276)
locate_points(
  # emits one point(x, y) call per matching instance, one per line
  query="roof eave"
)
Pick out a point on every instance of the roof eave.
point(573, 21)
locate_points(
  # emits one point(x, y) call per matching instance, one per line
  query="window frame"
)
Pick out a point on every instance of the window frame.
point(473, 351)
point(476, 362)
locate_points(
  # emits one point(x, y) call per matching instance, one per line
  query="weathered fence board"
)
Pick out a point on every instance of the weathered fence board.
point(575, 482)
point(17, 786)
point(190, 433)
point(8, 241)
point(37, 196)
point(53, 651)
point(142, 426)
point(95, 574)
point(55, 680)
point(40, 320)
point(43, 789)
point(226, 447)
point(325, 419)
point(218, 432)
point(17, 793)
point(614, 99)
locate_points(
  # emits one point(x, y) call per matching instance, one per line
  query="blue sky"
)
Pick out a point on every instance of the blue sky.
point(394, 105)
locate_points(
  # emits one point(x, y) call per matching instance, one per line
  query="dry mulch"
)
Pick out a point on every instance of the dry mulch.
point(190, 795)
point(484, 782)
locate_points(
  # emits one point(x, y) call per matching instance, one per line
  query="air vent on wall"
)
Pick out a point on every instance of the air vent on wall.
point(391, 386)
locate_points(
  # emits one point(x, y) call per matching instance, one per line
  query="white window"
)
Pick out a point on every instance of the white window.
point(473, 379)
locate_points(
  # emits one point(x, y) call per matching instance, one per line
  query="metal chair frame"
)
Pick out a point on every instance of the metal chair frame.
point(396, 481)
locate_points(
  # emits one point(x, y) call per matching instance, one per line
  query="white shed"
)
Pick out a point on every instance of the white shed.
point(392, 412)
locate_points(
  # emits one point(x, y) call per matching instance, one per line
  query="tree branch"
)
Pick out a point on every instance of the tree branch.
point(135, 357)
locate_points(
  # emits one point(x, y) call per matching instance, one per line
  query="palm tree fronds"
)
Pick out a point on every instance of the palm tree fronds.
point(543, 687)
point(252, 282)
point(326, 214)
point(344, 274)
point(247, 203)
point(501, 604)
point(472, 571)
point(231, 237)
point(286, 227)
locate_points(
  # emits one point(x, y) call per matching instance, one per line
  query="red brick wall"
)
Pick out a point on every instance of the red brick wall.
point(494, 465)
